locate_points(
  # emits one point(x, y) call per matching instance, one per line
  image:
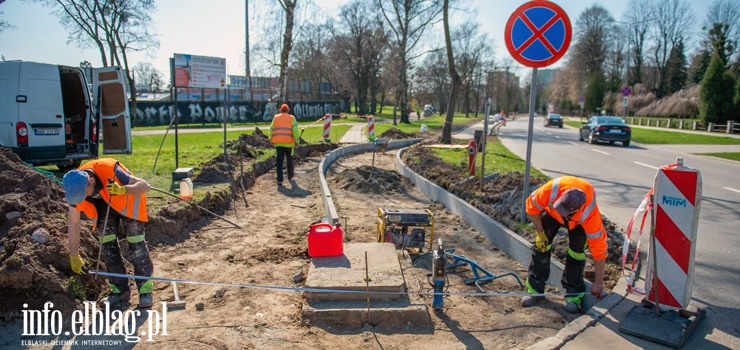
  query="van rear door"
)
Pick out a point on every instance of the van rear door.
point(40, 107)
point(109, 91)
point(8, 106)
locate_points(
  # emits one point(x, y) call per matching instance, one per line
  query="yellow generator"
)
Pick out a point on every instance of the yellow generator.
point(406, 228)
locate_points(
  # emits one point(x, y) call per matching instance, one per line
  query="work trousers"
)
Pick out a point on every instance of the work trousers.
point(282, 153)
point(138, 252)
point(575, 262)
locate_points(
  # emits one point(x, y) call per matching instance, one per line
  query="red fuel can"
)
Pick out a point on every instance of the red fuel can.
point(325, 240)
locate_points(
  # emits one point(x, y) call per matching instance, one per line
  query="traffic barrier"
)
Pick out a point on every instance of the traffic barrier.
point(677, 200)
point(327, 126)
point(370, 127)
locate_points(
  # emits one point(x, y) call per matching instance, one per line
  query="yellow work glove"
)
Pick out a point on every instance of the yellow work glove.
point(77, 264)
point(541, 241)
point(115, 189)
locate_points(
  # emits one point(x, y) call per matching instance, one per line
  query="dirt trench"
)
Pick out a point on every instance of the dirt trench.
point(270, 250)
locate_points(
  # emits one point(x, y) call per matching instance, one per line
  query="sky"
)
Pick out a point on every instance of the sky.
point(218, 29)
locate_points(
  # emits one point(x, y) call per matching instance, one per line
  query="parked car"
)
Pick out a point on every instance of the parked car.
point(50, 114)
point(607, 129)
point(554, 120)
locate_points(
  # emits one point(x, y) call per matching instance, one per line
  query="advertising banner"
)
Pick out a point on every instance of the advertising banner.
point(200, 71)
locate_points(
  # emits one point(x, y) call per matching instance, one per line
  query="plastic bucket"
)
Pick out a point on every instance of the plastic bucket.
point(325, 240)
point(186, 189)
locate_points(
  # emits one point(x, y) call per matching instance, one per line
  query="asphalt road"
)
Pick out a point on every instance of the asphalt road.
point(623, 176)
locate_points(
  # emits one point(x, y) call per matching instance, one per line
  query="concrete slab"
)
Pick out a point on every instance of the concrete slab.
point(347, 272)
point(395, 314)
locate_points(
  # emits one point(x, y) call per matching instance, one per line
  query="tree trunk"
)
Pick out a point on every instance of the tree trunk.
point(454, 77)
point(287, 46)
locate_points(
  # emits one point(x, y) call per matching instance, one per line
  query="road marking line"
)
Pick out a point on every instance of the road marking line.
point(549, 133)
point(732, 189)
point(572, 143)
point(646, 165)
point(558, 137)
point(602, 152)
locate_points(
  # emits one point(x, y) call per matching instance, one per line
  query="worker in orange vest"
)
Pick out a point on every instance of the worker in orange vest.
point(570, 202)
point(111, 196)
point(284, 136)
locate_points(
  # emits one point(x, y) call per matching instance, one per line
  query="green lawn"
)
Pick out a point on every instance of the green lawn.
point(728, 155)
point(498, 159)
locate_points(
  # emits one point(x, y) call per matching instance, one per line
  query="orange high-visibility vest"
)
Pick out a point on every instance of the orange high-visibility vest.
point(130, 206)
point(543, 199)
point(282, 129)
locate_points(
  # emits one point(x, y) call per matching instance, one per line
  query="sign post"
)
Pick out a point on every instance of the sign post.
point(192, 71)
point(626, 92)
point(537, 35)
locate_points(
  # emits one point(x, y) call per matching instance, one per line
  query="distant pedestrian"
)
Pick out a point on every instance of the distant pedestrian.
point(284, 136)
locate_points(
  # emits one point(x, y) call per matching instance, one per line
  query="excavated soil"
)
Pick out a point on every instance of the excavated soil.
point(269, 249)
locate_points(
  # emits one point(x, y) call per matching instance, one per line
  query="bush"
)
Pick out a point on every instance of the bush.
point(716, 93)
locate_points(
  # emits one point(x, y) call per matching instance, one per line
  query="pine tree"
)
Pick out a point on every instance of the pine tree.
point(594, 93)
point(699, 65)
point(717, 89)
point(676, 74)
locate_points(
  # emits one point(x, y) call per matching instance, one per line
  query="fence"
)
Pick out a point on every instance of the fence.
point(731, 127)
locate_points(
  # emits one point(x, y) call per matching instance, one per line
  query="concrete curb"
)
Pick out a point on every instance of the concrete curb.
point(508, 241)
point(331, 210)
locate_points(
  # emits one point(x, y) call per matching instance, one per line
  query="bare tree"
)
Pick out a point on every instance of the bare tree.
point(726, 12)
point(433, 82)
point(674, 20)
point(3, 23)
point(592, 35)
point(407, 20)
point(310, 53)
point(146, 73)
point(469, 49)
point(638, 21)
point(289, 9)
point(360, 49)
point(114, 27)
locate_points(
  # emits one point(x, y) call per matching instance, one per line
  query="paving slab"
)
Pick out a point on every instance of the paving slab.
point(347, 272)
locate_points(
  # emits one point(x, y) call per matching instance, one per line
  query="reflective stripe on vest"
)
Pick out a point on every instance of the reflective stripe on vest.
point(130, 206)
point(553, 192)
point(282, 129)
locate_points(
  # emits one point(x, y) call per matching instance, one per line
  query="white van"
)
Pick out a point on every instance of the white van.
point(49, 115)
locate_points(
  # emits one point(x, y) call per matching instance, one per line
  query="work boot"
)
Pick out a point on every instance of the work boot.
point(117, 298)
point(572, 307)
point(530, 300)
point(145, 301)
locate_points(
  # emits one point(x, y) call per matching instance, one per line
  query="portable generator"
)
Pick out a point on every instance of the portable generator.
point(408, 229)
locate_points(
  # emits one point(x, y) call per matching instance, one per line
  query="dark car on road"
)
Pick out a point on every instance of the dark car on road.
point(605, 129)
point(553, 119)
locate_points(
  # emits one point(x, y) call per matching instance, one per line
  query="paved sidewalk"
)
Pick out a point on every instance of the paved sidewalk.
point(356, 134)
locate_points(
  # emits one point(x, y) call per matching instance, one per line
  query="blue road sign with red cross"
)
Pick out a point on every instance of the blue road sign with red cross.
point(538, 33)
point(626, 91)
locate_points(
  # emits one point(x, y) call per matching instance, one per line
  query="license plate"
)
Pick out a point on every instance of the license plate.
point(615, 131)
point(46, 131)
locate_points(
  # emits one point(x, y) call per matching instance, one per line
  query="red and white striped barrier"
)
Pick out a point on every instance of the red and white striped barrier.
point(327, 126)
point(370, 127)
point(670, 274)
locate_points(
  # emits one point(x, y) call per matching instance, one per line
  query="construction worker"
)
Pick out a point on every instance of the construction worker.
point(284, 136)
point(112, 197)
point(570, 202)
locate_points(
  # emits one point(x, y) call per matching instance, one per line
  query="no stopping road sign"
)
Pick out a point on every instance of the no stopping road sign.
point(538, 33)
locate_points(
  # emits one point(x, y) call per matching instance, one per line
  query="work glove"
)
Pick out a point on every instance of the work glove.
point(78, 265)
point(115, 189)
point(541, 241)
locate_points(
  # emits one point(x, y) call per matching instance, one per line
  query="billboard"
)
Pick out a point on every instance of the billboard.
point(199, 71)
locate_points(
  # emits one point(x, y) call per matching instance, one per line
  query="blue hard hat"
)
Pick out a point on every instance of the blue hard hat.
point(75, 183)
